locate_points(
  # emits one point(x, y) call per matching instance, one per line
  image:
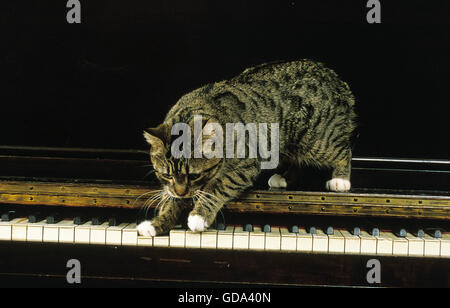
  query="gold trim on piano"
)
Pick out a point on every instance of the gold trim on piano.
point(297, 202)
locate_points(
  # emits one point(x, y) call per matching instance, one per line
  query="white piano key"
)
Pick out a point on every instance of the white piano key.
point(240, 238)
point(177, 237)
point(161, 241)
point(445, 245)
point(19, 230)
point(352, 243)
point(114, 234)
point(432, 246)
point(279, 239)
point(368, 243)
point(273, 239)
point(288, 240)
point(98, 234)
point(320, 241)
point(385, 243)
point(144, 241)
point(35, 231)
point(193, 239)
point(130, 235)
point(225, 238)
point(304, 241)
point(415, 245)
point(399, 246)
point(6, 228)
point(51, 231)
point(67, 231)
point(257, 239)
point(83, 233)
point(209, 239)
point(336, 242)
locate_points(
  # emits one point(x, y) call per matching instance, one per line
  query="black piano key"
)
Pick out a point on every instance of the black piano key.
point(294, 229)
point(8, 216)
point(96, 221)
point(267, 228)
point(113, 221)
point(53, 218)
point(220, 226)
point(420, 233)
point(356, 231)
point(312, 230)
point(437, 234)
point(375, 232)
point(79, 220)
point(330, 231)
point(34, 218)
point(402, 233)
point(248, 228)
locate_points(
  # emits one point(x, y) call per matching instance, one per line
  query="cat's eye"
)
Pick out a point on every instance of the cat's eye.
point(194, 176)
point(166, 175)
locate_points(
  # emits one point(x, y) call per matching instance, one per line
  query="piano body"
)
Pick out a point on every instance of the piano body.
point(61, 204)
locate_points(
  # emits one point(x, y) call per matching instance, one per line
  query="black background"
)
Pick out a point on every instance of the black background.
point(98, 83)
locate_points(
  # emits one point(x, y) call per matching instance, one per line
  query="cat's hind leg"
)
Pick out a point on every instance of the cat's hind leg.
point(287, 176)
point(277, 181)
point(340, 178)
point(338, 184)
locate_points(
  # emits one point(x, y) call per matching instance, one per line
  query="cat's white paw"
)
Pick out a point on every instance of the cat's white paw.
point(145, 228)
point(196, 223)
point(338, 184)
point(277, 181)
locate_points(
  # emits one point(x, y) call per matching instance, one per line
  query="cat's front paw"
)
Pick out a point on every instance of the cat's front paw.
point(277, 181)
point(146, 228)
point(197, 223)
point(338, 184)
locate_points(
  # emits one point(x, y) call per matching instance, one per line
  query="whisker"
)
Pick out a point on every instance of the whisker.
point(143, 166)
point(148, 203)
point(150, 200)
point(144, 194)
point(148, 173)
point(161, 203)
point(208, 202)
point(210, 194)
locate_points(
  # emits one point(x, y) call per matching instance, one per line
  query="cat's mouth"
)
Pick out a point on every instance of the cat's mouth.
point(187, 195)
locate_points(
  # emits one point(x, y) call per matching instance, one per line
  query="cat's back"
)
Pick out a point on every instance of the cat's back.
point(280, 87)
point(305, 78)
point(281, 71)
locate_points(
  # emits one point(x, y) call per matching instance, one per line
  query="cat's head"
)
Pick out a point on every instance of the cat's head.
point(181, 177)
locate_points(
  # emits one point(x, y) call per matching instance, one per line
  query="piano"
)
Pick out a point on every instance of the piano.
point(60, 204)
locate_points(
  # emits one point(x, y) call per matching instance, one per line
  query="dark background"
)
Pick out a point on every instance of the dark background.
point(99, 83)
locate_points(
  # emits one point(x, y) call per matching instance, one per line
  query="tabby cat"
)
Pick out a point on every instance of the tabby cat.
point(315, 113)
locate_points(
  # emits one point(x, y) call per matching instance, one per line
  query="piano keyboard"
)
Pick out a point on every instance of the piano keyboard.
point(238, 237)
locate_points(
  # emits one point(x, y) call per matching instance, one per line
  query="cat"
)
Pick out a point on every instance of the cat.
point(315, 112)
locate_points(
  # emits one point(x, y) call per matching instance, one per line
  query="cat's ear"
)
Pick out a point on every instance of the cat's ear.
point(156, 136)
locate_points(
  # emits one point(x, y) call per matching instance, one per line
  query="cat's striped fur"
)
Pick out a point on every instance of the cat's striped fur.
point(315, 112)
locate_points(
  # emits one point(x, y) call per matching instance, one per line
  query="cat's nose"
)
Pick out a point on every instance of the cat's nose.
point(180, 190)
